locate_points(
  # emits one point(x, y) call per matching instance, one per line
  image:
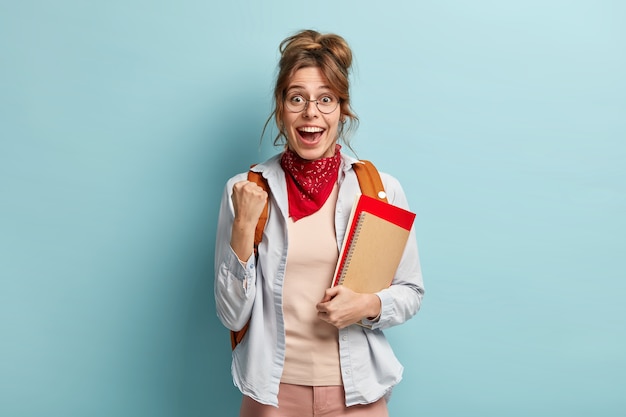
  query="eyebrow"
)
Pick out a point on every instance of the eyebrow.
point(300, 87)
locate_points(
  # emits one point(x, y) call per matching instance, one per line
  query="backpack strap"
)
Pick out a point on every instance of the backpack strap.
point(369, 180)
point(256, 177)
point(370, 183)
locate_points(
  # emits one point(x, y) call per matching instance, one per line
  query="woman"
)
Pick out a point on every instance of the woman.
point(302, 354)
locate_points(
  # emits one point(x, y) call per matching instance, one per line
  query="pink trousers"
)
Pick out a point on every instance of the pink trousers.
point(304, 401)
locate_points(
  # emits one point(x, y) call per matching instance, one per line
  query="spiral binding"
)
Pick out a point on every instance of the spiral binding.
point(348, 257)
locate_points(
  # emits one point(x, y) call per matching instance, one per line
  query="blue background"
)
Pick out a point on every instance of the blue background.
point(121, 120)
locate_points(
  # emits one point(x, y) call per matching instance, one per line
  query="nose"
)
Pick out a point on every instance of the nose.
point(310, 109)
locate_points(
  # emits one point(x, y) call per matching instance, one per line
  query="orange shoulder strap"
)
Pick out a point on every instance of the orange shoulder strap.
point(369, 180)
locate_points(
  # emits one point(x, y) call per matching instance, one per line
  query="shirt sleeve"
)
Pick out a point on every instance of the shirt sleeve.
point(235, 280)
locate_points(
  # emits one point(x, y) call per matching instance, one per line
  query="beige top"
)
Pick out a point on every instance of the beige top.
point(312, 352)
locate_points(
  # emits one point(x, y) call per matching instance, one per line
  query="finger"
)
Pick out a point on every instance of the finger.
point(248, 187)
point(240, 185)
point(322, 307)
point(326, 298)
point(328, 318)
point(252, 187)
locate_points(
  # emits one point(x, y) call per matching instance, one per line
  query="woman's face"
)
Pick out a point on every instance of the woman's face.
point(310, 133)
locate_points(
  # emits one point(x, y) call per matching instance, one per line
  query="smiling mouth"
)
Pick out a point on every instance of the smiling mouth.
point(309, 133)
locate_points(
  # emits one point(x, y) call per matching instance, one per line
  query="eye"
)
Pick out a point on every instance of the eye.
point(328, 100)
point(296, 99)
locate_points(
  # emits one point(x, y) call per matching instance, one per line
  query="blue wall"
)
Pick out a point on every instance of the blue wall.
point(121, 120)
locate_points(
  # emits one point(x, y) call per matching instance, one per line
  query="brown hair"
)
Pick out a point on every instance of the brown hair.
point(332, 55)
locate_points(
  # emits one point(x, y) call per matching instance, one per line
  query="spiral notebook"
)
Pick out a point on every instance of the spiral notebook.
point(374, 243)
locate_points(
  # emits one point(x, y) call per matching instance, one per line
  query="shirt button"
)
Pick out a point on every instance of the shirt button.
point(348, 372)
point(344, 337)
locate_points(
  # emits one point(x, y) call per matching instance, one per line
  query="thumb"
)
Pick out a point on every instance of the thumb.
point(329, 294)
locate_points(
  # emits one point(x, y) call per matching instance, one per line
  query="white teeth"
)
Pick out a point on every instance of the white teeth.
point(310, 129)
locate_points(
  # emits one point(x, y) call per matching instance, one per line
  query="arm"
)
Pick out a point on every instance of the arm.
point(235, 270)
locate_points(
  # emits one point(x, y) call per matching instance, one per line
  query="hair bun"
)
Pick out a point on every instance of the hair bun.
point(339, 48)
point(315, 42)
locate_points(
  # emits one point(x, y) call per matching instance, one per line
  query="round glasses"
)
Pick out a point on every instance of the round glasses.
point(326, 104)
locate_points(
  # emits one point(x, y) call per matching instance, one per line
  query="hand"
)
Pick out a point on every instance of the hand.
point(342, 307)
point(248, 202)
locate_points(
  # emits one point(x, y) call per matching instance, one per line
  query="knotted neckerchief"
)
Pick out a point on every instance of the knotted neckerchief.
point(309, 183)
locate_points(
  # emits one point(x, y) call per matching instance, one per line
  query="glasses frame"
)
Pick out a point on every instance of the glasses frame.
point(306, 105)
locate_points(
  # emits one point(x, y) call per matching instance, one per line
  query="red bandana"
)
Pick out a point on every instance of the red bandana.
point(309, 183)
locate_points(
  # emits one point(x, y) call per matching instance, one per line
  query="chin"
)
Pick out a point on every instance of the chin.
point(312, 154)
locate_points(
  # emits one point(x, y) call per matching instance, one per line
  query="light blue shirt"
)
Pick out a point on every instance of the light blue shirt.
point(250, 290)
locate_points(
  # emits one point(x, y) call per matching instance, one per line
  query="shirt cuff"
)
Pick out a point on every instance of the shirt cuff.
point(243, 270)
point(370, 322)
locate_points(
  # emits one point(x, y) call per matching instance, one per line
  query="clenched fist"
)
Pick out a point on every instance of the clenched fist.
point(248, 202)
